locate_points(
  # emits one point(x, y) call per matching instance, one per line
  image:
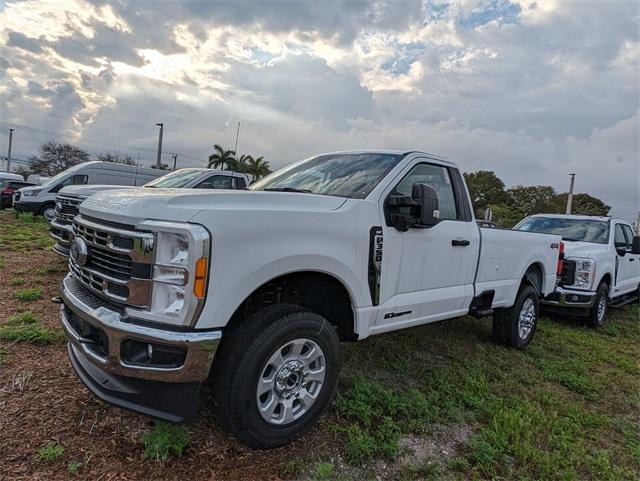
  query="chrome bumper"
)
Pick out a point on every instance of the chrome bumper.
point(200, 347)
point(563, 297)
point(62, 233)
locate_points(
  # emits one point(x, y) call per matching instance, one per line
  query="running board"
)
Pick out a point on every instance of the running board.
point(624, 301)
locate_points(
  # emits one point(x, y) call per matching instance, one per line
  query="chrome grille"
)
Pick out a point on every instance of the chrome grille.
point(68, 208)
point(118, 264)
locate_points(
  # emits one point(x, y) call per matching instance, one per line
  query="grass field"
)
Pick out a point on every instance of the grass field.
point(436, 402)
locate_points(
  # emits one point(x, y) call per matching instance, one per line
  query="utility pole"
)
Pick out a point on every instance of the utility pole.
point(159, 160)
point(175, 160)
point(235, 149)
point(9, 152)
point(570, 196)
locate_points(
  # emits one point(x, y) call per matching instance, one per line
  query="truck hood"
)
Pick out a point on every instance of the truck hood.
point(135, 205)
point(85, 191)
point(583, 249)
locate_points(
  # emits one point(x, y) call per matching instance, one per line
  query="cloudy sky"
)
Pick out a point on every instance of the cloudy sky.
point(530, 89)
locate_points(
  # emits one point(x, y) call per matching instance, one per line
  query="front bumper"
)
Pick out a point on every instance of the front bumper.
point(569, 298)
point(63, 234)
point(96, 332)
point(27, 206)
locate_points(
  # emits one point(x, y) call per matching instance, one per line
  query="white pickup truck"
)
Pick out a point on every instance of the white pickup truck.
point(601, 264)
point(256, 288)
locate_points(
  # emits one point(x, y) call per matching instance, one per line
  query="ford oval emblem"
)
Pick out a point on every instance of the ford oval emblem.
point(78, 252)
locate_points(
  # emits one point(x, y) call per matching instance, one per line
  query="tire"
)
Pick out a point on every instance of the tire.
point(516, 325)
point(48, 211)
point(247, 370)
point(598, 313)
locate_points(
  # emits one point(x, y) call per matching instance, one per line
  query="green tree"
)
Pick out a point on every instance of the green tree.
point(163, 166)
point(239, 165)
point(55, 158)
point(257, 168)
point(220, 157)
point(532, 199)
point(485, 189)
point(583, 204)
point(115, 157)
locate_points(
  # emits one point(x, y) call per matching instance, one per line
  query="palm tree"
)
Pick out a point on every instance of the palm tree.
point(220, 157)
point(257, 168)
point(239, 165)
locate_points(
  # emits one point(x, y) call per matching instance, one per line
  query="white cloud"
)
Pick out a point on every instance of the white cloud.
point(529, 89)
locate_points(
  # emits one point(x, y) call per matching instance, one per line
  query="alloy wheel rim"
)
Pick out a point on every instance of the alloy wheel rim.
point(290, 381)
point(602, 308)
point(527, 318)
point(49, 214)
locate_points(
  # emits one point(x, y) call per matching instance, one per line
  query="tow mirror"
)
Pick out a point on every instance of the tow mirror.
point(621, 248)
point(425, 208)
point(635, 245)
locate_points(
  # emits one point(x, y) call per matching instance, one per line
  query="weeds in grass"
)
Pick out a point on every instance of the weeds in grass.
point(3, 262)
point(322, 471)
point(165, 440)
point(17, 281)
point(29, 294)
point(293, 467)
point(25, 327)
point(52, 451)
point(73, 467)
point(4, 354)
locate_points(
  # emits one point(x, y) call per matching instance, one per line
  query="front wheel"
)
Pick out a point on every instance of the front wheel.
point(275, 375)
point(48, 211)
point(597, 314)
point(516, 325)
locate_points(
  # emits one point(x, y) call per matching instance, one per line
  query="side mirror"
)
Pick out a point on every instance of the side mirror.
point(621, 248)
point(635, 245)
point(425, 208)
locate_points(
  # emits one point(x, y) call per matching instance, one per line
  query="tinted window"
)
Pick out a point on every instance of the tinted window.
point(240, 183)
point(584, 230)
point(436, 177)
point(341, 175)
point(216, 182)
point(629, 233)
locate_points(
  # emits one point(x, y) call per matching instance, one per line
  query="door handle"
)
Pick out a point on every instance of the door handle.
point(460, 243)
point(631, 259)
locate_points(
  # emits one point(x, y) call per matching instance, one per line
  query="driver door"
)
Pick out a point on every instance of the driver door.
point(627, 263)
point(428, 273)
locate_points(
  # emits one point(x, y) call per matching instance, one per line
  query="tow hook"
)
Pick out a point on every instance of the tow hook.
point(57, 300)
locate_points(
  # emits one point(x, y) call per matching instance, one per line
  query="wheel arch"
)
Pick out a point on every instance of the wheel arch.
point(534, 275)
point(317, 290)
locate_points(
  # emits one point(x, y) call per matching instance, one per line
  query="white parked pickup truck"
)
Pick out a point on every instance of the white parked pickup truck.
point(256, 288)
point(69, 198)
point(601, 263)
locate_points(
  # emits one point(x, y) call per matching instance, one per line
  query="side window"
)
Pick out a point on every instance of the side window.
point(80, 179)
point(439, 179)
point(216, 182)
point(240, 183)
point(619, 238)
point(629, 234)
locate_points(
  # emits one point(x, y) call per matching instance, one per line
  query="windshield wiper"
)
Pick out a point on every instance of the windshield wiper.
point(288, 189)
point(570, 239)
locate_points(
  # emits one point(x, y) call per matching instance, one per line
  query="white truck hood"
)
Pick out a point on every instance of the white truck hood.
point(583, 249)
point(135, 205)
point(84, 191)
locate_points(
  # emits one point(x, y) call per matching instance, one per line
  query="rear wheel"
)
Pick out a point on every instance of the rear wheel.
point(516, 325)
point(275, 375)
point(598, 313)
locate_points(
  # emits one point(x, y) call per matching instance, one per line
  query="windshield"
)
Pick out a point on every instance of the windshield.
point(584, 230)
point(54, 180)
point(340, 175)
point(177, 179)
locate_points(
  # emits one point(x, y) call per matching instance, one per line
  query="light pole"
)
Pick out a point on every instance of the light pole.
point(158, 161)
point(9, 152)
point(175, 160)
point(235, 148)
point(570, 196)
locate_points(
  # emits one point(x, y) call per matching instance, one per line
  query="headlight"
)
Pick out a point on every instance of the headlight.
point(179, 274)
point(31, 193)
point(585, 272)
